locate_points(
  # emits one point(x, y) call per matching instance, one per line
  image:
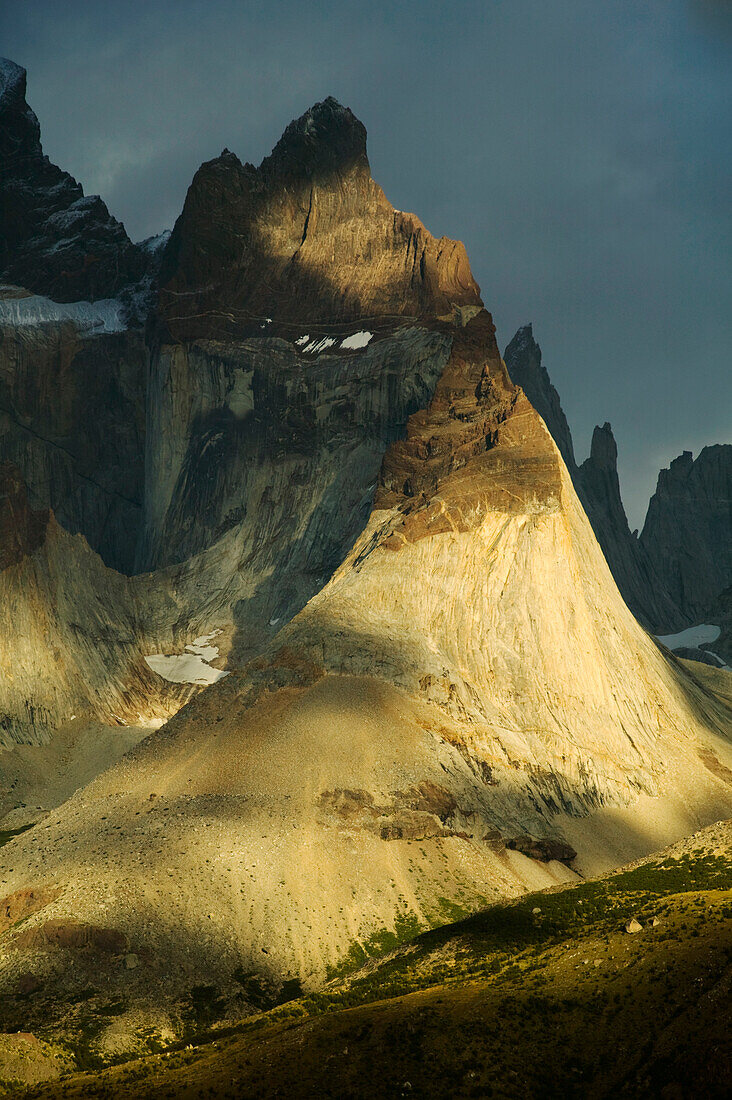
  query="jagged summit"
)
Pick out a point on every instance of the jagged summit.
point(523, 362)
point(604, 449)
point(688, 528)
point(13, 78)
point(326, 138)
point(11, 75)
point(307, 238)
point(524, 337)
point(54, 240)
point(20, 132)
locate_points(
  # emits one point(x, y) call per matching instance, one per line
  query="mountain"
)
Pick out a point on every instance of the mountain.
point(434, 695)
point(73, 359)
point(523, 363)
point(54, 240)
point(72, 415)
point(272, 254)
point(634, 571)
point(274, 415)
point(688, 529)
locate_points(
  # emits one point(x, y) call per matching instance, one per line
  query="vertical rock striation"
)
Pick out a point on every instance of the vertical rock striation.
point(72, 419)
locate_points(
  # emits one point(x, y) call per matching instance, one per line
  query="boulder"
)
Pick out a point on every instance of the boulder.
point(544, 849)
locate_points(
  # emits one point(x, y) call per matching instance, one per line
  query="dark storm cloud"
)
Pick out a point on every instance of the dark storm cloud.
point(581, 150)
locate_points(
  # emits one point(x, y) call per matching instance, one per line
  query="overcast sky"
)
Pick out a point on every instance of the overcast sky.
point(581, 150)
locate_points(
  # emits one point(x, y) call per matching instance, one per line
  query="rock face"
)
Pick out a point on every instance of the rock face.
point(53, 239)
point(280, 445)
point(72, 378)
point(307, 238)
point(72, 633)
point(598, 488)
point(72, 417)
point(688, 530)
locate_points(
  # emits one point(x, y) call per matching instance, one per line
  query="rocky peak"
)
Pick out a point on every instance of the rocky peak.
point(53, 239)
point(523, 362)
point(326, 139)
point(642, 587)
point(688, 528)
point(20, 132)
point(679, 468)
point(599, 476)
point(604, 449)
point(307, 238)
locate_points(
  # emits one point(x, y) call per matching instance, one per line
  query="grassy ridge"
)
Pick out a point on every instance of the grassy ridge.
point(507, 1003)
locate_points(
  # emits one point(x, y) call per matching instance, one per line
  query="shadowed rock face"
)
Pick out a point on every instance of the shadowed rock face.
point(53, 239)
point(642, 586)
point(252, 436)
point(72, 419)
point(307, 238)
point(71, 397)
point(688, 529)
point(21, 529)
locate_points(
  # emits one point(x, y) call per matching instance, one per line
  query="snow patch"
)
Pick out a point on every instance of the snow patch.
point(155, 244)
point(314, 345)
point(357, 340)
point(106, 315)
point(191, 667)
point(693, 636)
point(319, 344)
point(716, 657)
point(203, 648)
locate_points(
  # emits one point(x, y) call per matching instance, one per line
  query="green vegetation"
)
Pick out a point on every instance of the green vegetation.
point(505, 937)
point(375, 946)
